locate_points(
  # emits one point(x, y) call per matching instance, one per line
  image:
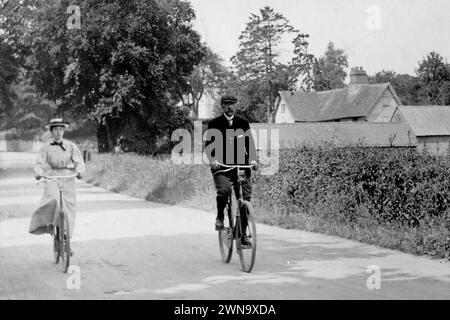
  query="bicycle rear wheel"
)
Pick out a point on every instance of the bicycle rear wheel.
point(64, 242)
point(226, 236)
point(247, 255)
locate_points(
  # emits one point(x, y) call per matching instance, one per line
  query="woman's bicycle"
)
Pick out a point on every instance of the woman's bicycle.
point(233, 226)
point(60, 232)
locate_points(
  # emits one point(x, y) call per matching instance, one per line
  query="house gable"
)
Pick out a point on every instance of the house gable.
point(283, 113)
point(384, 106)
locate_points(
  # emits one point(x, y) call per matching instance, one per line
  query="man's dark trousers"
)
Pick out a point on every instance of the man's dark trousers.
point(223, 188)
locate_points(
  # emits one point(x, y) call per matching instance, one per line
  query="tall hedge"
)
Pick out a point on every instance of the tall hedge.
point(398, 186)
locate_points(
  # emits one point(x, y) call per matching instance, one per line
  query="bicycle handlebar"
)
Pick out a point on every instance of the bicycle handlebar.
point(59, 177)
point(244, 166)
point(231, 167)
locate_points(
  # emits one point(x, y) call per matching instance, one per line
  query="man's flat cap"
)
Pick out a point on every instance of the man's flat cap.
point(228, 99)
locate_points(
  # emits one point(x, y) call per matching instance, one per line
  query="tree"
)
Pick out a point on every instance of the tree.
point(406, 86)
point(434, 76)
point(257, 62)
point(9, 74)
point(303, 62)
point(125, 68)
point(329, 70)
point(29, 113)
point(209, 75)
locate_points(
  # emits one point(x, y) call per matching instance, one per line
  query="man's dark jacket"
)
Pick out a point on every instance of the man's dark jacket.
point(240, 140)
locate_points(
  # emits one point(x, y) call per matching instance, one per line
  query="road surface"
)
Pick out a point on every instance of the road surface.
point(128, 248)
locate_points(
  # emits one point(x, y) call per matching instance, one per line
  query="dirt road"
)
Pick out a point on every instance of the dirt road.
point(127, 248)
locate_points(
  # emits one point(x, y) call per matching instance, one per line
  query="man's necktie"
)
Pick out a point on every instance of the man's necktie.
point(54, 143)
point(230, 122)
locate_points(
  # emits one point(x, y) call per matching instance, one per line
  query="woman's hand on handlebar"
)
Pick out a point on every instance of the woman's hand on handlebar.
point(79, 176)
point(38, 177)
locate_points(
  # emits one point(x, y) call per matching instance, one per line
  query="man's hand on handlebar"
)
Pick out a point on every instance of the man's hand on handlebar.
point(216, 165)
point(254, 164)
point(79, 176)
point(38, 177)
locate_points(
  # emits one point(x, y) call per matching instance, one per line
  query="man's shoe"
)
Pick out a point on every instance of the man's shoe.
point(246, 244)
point(219, 225)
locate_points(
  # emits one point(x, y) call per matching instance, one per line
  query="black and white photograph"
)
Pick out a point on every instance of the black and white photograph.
point(225, 156)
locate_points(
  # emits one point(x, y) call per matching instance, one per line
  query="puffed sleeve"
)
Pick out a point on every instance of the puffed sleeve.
point(77, 159)
point(41, 165)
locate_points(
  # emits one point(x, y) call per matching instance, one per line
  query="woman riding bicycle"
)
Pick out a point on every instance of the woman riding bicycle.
point(56, 157)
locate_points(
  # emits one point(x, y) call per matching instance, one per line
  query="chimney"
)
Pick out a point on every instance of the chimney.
point(358, 76)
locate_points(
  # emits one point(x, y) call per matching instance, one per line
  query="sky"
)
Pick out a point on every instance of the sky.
point(375, 34)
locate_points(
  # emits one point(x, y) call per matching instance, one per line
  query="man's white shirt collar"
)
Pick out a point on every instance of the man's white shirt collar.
point(229, 118)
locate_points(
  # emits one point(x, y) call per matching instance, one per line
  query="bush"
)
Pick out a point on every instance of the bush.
point(365, 189)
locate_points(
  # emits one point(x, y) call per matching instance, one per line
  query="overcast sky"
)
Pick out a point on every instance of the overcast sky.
point(408, 29)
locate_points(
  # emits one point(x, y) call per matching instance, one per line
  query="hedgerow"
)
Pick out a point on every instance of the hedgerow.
point(396, 198)
point(366, 188)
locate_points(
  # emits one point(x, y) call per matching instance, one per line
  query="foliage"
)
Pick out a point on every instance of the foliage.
point(260, 72)
point(394, 189)
point(302, 64)
point(434, 76)
point(9, 74)
point(329, 70)
point(406, 86)
point(208, 76)
point(431, 86)
point(129, 60)
point(30, 112)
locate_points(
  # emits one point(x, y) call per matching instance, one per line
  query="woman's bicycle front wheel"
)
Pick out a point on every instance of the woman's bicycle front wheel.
point(247, 254)
point(64, 244)
point(56, 242)
point(226, 236)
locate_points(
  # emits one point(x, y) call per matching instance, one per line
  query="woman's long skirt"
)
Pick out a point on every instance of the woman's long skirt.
point(47, 214)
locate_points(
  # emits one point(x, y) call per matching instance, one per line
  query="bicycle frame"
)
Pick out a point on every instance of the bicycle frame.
point(240, 179)
point(235, 230)
point(61, 239)
point(60, 182)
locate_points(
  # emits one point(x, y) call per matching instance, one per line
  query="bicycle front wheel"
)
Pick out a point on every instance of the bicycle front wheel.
point(226, 237)
point(56, 242)
point(64, 242)
point(247, 254)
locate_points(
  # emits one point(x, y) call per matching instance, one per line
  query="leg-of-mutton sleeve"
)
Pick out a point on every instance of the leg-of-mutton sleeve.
point(41, 164)
point(77, 159)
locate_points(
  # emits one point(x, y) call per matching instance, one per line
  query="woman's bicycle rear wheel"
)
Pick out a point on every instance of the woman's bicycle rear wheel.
point(247, 255)
point(226, 236)
point(64, 242)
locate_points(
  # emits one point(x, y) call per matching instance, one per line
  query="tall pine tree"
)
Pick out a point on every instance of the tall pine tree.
point(258, 64)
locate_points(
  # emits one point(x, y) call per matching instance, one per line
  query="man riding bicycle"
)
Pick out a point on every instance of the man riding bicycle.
point(237, 147)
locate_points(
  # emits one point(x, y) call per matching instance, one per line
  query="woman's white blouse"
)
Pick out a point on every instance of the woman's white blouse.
point(54, 157)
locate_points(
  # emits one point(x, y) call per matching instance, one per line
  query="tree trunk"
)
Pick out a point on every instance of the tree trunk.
point(102, 140)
